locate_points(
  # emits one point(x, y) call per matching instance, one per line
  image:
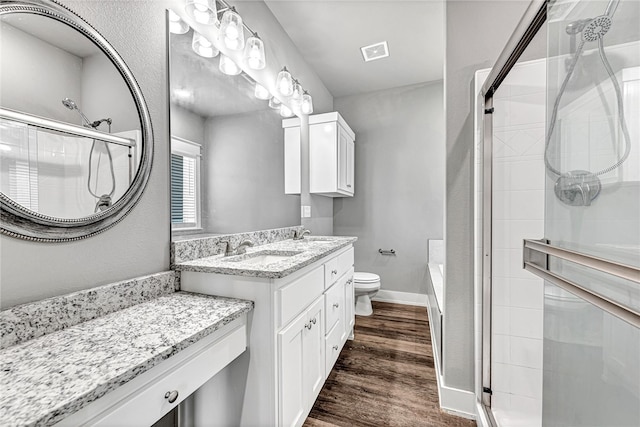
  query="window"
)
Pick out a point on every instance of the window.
point(185, 184)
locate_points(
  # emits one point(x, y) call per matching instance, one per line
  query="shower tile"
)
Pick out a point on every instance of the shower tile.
point(525, 352)
point(500, 320)
point(501, 288)
point(500, 352)
point(500, 380)
point(527, 293)
point(525, 381)
point(526, 322)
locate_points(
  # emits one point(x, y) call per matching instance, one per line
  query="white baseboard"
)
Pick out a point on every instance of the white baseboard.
point(406, 298)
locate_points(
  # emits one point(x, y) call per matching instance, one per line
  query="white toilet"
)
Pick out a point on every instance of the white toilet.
point(366, 286)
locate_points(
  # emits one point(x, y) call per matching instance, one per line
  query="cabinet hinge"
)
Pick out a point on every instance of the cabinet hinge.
point(486, 390)
point(488, 110)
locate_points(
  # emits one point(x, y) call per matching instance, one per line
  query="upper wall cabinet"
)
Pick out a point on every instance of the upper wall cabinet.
point(331, 156)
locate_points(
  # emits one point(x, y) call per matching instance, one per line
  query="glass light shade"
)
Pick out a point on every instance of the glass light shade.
point(231, 30)
point(284, 82)
point(285, 111)
point(274, 103)
point(296, 96)
point(202, 46)
point(176, 24)
point(228, 67)
point(307, 103)
point(202, 11)
point(261, 92)
point(254, 53)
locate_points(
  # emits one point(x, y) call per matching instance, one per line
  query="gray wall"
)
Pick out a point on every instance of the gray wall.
point(399, 181)
point(476, 32)
point(243, 174)
point(138, 245)
point(187, 125)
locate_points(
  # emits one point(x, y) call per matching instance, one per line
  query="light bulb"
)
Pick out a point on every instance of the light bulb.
point(202, 46)
point(228, 67)
point(307, 103)
point(296, 96)
point(231, 30)
point(274, 103)
point(176, 24)
point(284, 82)
point(202, 11)
point(285, 111)
point(261, 92)
point(254, 53)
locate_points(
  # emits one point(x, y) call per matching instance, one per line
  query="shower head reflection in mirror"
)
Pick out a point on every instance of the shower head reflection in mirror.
point(579, 187)
point(48, 54)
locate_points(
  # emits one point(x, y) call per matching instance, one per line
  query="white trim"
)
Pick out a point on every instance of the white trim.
point(481, 416)
point(452, 400)
point(406, 298)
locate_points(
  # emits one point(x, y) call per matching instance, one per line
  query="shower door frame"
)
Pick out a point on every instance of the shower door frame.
point(529, 25)
point(535, 253)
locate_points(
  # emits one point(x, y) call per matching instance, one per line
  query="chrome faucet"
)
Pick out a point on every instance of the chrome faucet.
point(299, 234)
point(239, 250)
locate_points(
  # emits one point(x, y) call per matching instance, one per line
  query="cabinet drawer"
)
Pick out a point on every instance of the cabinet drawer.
point(334, 303)
point(297, 295)
point(331, 272)
point(345, 262)
point(333, 345)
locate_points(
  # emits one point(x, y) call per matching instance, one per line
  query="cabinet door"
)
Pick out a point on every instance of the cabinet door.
point(343, 160)
point(291, 372)
point(314, 352)
point(349, 318)
point(292, 160)
point(351, 152)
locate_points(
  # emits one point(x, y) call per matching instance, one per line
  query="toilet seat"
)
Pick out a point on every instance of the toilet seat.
point(360, 277)
point(366, 281)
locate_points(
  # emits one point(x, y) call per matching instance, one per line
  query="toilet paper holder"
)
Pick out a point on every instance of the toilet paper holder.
point(387, 251)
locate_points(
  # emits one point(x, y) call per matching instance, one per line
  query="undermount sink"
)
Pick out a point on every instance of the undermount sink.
point(263, 257)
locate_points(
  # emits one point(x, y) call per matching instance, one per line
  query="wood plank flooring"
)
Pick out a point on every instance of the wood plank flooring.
point(386, 376)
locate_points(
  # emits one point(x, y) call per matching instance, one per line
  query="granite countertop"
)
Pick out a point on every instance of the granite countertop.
point(48, 378)
point(300, 253)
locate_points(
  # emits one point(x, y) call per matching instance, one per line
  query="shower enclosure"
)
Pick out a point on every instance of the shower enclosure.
point(558, 214)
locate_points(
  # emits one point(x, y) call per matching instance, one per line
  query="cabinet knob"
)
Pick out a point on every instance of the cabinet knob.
point(171, 396)
point(336, 305)
point(335, 347)
point(308, 325)
point(313, 320)
point(349, 185)
point(350, 281)
point(334, 271)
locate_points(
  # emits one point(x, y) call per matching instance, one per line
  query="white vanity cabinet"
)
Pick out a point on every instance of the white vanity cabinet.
point(331, 156)
point(298, 326)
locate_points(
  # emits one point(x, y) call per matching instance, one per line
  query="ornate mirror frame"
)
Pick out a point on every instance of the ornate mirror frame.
point(20, 222)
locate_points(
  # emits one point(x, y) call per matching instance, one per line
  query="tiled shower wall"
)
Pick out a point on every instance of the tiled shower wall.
point(518, 213)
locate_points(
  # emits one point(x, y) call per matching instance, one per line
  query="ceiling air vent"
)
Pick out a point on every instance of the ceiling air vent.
point(375, 51)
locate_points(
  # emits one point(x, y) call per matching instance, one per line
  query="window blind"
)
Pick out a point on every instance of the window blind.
point(184, 184)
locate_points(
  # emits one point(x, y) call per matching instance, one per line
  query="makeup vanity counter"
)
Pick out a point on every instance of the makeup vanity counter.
point(117, 367)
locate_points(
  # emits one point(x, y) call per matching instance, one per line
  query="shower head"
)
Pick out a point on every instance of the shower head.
point(71, 105)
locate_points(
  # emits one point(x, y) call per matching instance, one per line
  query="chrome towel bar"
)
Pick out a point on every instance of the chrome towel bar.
point(535, 260)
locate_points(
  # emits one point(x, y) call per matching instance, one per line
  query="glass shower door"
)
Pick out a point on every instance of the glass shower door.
point(591, 360)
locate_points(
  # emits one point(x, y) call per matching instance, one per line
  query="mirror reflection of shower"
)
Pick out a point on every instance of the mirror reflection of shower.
point(104, 201)
point(580, 187)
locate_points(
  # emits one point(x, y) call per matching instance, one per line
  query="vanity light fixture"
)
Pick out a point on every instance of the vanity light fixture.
point(228, 67)
point(232, 30)
point(284, 82)
point(176, 24)
point(202, 11)
point(202, 46)
point(285, 111)
point(254, 53)
point(261, 92)
point(307, 103)
point(296, 96)
point(274, 103)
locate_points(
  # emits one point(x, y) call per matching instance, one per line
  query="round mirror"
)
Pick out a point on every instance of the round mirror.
point(75, 135)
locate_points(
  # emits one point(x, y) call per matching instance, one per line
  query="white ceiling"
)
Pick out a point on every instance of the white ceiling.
point(329, 35)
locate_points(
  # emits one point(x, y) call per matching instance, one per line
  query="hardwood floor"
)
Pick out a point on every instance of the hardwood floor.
point(386, 376)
